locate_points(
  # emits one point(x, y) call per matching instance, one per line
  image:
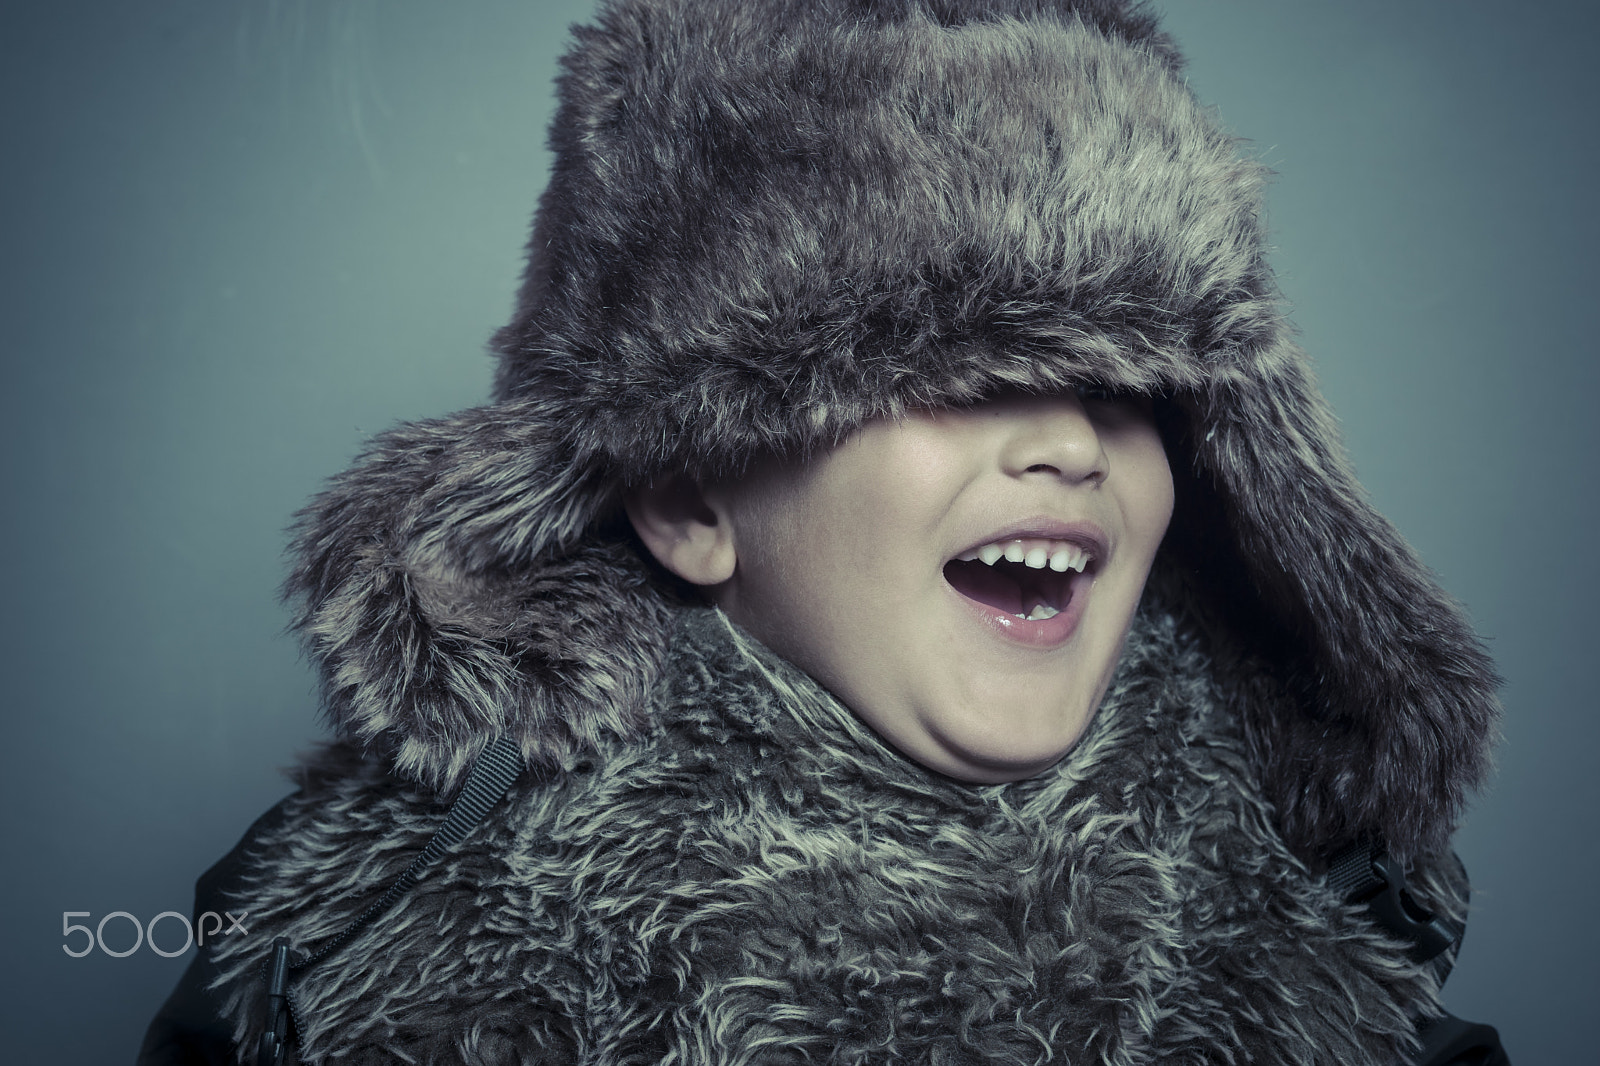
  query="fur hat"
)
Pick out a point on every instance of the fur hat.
point(772, 220)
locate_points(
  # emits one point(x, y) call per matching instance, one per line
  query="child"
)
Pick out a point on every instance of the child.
point(910, 558)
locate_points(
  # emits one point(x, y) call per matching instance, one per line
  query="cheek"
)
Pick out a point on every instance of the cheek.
point(794, 545)
point(1162, 496)
point(1145, 491)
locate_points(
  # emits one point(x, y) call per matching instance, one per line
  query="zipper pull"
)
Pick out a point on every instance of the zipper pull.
point(275, 1040)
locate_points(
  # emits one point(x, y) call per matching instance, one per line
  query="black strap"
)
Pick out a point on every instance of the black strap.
point(1364, 873)
point(491, 777)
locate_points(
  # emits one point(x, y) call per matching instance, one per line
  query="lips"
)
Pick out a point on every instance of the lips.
point(1030, 584)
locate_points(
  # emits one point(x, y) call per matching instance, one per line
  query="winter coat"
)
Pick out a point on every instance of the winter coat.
point(768, 222)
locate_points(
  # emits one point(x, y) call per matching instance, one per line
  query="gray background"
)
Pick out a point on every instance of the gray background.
point(242, 237)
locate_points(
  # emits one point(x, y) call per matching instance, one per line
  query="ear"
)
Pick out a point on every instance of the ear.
point(688, 532)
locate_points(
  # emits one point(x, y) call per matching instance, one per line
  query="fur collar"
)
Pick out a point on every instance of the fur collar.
point(757, 878)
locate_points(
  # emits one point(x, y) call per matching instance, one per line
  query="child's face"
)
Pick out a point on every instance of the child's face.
point(859, 567)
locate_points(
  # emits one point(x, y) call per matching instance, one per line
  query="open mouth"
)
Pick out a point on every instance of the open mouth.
point(1030, 578)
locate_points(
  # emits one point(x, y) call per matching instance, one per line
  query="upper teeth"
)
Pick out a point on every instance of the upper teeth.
point(1058, 555)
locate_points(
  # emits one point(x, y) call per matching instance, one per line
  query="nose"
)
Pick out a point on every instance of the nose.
point(1051, 436)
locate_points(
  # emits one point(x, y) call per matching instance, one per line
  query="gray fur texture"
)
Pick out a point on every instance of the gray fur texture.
point(772, 220)
point(757, 879)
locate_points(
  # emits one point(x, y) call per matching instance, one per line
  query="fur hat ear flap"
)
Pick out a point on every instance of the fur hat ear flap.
point(465, 580)
point(1397, 695)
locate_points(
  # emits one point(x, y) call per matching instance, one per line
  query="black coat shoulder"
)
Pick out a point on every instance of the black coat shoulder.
point(189, 1030)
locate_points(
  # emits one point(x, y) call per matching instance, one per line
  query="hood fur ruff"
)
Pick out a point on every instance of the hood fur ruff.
point(758, 879)
point(769, 222)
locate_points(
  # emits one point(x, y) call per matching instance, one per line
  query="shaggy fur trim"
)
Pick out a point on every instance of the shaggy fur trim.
point(456, 586)
point(760, 879)
point(769, 222)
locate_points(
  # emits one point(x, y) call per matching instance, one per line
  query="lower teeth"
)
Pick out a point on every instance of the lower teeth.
point(1039, 614)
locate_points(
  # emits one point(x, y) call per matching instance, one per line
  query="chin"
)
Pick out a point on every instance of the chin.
point(992, 760)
